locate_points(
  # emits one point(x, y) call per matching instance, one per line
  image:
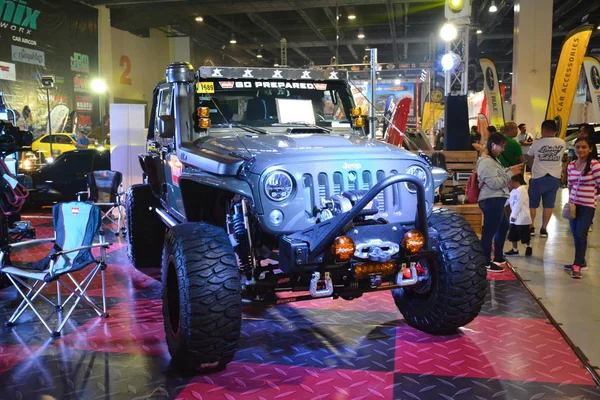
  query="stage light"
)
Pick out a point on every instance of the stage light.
point(449, 61)
point(448, 32)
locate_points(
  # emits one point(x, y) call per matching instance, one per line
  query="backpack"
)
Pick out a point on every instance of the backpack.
point(472, 189)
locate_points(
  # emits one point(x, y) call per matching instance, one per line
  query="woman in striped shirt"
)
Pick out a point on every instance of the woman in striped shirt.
point(583, 180)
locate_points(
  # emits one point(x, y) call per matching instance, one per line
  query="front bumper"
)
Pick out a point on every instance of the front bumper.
point(310, 246)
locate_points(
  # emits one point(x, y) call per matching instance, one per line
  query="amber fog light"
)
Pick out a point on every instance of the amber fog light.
point(413, 241)
point(204, 123)
point(343, 249)
point(359, 122)
point(356, 112)
point(203, 112)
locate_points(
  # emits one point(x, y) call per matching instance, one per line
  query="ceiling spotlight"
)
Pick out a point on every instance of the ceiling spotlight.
point(259, 54)
point(232, 39)
point(479, 31)
point(598, 27)
point(276, 64)
point(361, 33)
point(499, 80)
point(199, 18)
point(493, 7)
point(448, 32)
point(351, 13)
point(510, 73)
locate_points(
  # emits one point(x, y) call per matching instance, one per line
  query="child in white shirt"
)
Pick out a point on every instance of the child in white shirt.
point(520, 216)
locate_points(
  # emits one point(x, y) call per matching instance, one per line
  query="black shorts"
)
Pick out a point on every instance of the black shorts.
point(519, 232)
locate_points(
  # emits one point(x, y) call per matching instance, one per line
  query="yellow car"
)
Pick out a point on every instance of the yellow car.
point(60, 142)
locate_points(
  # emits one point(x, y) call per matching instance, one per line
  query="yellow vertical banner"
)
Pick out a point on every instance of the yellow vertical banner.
point(491, 88)
point(566, 77)
point(432, 112)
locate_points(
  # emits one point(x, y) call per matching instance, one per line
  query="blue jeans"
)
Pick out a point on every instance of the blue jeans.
point(579, 228)
point(495, 227)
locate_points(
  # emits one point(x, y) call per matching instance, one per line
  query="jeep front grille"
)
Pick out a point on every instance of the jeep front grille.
point(328, 185)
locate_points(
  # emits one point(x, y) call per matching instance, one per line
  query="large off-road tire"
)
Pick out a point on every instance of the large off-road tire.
point(145, 230)
point(454, 295)
point(202, 301)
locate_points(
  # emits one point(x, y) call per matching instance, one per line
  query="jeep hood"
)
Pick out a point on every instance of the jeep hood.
point(276, 149)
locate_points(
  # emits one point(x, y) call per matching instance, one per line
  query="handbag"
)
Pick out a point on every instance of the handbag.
point(569, 210)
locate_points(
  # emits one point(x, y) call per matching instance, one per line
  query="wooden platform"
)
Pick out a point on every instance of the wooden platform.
point(471, 212)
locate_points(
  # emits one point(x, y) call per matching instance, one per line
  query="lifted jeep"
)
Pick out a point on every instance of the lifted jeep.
point(260, 181)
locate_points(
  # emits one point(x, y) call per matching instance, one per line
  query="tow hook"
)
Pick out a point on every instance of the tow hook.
point(402, 280)
point(314, 282)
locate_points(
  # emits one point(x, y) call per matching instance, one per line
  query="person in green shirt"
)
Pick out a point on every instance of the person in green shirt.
point(513, 154)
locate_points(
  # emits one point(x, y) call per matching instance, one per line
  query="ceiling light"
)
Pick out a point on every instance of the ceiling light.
point(499, 80)
point(510, 73)
point(351, 13)
point(276, 65)
point(448, 32)
point(259, 54)
point(232, 39)
point(397, 81)
point(479, 31)
point(449, 61)
point(361, 33)
point(199, 18)
point(493, 7)
point(598, 27)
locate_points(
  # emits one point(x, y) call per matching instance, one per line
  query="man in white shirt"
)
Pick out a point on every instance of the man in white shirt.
point(546, 172)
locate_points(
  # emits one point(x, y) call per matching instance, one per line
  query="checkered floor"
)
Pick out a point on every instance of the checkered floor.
point(322, 349)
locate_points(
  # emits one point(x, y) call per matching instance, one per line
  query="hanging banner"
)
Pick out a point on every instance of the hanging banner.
point(592, 72)
point(432, 112)
point(566, 77)
point(492, 92)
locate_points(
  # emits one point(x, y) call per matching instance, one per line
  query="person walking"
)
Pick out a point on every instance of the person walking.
point(583, 181)
point(493, 181)
point(525, 139)
point(547, 154)
point(520, 217)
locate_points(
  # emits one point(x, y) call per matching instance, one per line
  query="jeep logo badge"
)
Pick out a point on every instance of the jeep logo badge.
point(351, 166)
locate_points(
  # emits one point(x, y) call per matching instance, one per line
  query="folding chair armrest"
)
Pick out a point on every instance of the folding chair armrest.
point(27, 242)
point(95, 245)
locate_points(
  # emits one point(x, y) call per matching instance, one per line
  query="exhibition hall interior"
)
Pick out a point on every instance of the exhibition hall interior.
point(285, 199)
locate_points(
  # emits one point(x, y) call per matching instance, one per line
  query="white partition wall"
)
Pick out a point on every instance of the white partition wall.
point(127, 140)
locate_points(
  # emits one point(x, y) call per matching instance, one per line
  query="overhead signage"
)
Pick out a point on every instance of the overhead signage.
point(8, 71)
point(80, 63)
point(18, 17)
point(28, 56)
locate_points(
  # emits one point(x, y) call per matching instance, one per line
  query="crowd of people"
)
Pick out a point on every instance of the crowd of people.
point(510, 206)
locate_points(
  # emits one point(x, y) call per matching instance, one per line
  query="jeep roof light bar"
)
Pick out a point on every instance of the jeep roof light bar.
point(273, 73)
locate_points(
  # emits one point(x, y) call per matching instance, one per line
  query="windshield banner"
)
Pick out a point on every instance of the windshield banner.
point(261, 84)
point(273, 73)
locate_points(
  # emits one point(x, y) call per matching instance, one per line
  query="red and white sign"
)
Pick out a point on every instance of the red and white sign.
point(226, 84)
point(83, 103)
point(8, 71)
point(75, 210)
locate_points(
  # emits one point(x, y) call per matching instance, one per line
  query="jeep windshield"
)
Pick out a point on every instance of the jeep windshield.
point(262, 103)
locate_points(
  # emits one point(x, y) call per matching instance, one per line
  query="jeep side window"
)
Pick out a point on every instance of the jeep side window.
point(165, 121)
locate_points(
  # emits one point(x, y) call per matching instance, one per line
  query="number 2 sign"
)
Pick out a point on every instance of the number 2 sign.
point(125, 62)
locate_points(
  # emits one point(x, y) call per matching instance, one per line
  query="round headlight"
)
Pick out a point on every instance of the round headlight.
point(420, 173)
point(279, 185)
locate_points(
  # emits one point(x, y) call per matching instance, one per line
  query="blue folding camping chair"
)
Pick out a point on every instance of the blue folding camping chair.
point(76, 224)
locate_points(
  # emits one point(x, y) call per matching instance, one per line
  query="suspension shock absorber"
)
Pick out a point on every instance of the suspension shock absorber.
point(241, 231)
